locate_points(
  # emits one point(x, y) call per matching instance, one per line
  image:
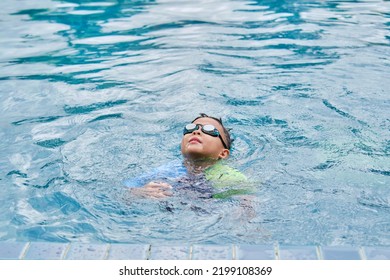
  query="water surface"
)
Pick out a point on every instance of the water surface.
point(94, 92)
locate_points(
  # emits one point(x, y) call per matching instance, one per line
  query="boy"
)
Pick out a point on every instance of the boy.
point(204, 144)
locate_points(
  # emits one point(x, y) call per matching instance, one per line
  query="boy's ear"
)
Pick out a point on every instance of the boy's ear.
point(224, 154)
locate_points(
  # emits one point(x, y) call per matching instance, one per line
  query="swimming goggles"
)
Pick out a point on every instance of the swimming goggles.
point(208, 129)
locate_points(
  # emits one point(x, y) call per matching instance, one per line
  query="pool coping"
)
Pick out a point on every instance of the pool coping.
point(127, 251)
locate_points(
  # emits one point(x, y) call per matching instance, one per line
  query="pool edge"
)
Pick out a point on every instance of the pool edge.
point(127, 251)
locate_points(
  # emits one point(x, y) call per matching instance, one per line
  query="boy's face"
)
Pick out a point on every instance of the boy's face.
point(198, 145)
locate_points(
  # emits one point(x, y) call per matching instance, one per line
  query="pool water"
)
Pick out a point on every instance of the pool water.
point(95, 92)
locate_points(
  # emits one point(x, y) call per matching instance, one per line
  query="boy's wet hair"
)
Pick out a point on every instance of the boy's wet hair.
point(229, 140)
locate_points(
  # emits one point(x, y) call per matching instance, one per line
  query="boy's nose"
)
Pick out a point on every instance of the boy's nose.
point(197, 131)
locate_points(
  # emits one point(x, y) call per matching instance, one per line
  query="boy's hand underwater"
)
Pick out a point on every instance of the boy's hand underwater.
point(153, 190)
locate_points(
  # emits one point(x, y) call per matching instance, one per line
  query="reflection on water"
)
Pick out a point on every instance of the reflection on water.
point(93, 92)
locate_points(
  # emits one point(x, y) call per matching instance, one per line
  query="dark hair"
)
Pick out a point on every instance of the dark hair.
point(229, 140)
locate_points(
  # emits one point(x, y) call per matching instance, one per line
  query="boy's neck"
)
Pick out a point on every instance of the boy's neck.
point(198, 165)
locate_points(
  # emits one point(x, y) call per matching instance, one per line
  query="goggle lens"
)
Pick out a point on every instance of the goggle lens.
point(207, 128)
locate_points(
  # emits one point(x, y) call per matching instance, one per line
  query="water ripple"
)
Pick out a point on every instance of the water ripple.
point(76, 110)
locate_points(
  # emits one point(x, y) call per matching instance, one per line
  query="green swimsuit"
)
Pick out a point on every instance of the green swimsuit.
point(228, 180)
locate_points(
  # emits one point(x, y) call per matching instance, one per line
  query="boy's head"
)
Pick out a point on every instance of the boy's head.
point(206, 138)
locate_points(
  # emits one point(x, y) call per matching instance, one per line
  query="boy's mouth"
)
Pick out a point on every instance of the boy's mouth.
point(194, 140)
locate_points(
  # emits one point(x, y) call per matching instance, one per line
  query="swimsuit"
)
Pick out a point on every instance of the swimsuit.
point(217, 181)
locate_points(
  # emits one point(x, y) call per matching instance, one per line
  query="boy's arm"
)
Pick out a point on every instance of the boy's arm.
point(154, 183)
point(143, 186)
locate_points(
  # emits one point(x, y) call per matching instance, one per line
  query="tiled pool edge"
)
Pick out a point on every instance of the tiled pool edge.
point(119, 251)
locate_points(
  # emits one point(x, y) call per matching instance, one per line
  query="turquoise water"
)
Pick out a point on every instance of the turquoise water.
point(94, 92)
